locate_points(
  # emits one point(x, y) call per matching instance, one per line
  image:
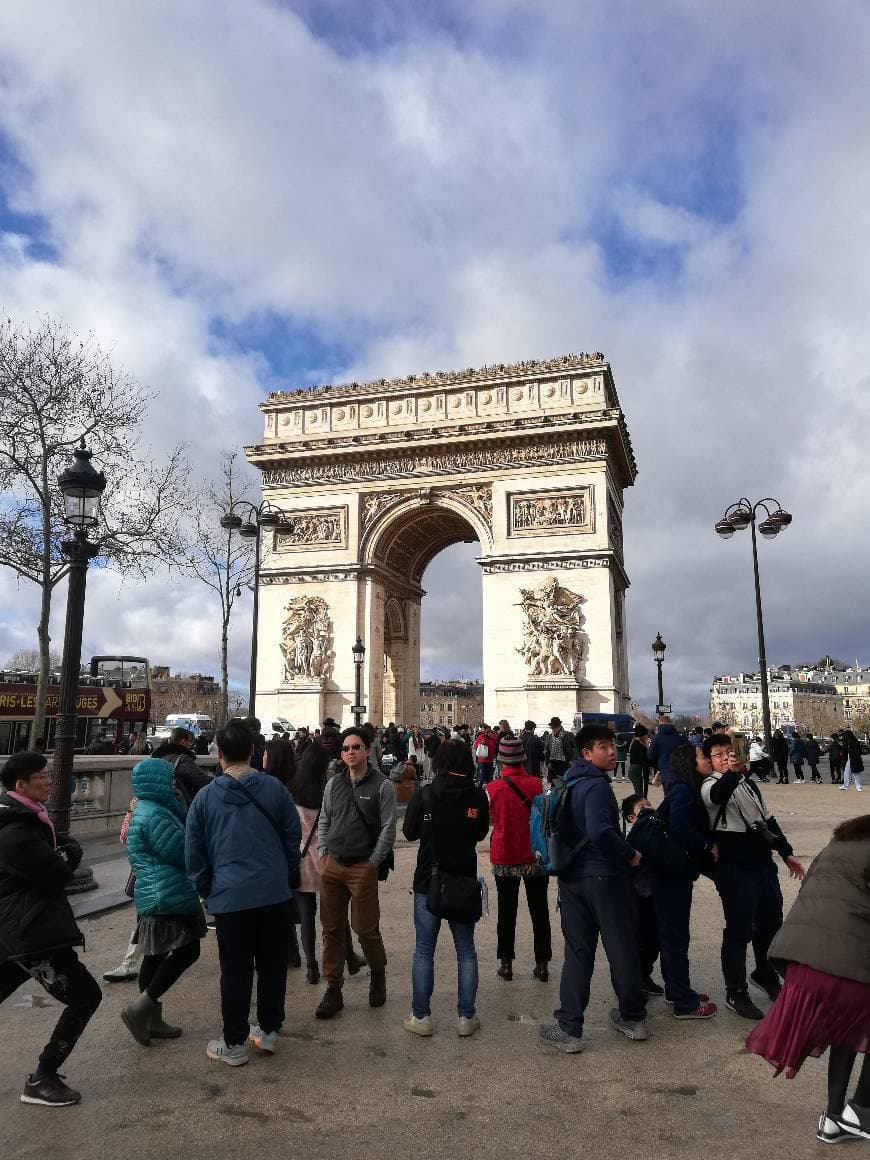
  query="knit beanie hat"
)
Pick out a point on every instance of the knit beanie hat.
point(511, 752)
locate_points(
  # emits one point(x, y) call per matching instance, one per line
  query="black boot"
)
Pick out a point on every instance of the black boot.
point(313, 972)
point(506, 970)
point(137, 1018)
point(354, 963)
point(159, 1028)
point(542, 971)
point(331, 1003)
point(377, 988)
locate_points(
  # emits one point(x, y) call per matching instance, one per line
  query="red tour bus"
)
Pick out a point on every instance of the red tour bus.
point(114, 698)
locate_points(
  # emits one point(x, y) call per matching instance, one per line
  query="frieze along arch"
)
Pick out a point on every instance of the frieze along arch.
point(531, 460)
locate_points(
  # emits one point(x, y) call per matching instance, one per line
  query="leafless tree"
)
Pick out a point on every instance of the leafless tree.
point(55, 388)
point(220, 558)
point(26, 660)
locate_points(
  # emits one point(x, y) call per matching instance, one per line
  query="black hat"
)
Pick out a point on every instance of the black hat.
point(555, 721)
point(328, 723)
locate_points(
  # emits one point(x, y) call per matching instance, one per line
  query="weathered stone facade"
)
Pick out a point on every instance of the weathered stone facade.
point(530, 460)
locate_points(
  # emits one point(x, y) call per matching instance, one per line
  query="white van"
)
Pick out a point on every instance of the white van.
point(199, 725)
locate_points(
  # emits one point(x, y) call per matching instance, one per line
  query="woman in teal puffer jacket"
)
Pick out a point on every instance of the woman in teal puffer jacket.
point(170, 919)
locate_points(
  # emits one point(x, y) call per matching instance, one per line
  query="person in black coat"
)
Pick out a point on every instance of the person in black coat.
point(38, 932)
point(779, 752)
point(187, 777)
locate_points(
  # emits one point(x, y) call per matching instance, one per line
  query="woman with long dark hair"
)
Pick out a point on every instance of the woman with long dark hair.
point(279, 760)
point(687, 823)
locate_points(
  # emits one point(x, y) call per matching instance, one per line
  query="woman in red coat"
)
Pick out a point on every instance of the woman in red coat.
point(510, 851)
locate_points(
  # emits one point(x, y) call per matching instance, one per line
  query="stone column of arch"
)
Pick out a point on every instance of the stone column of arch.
point(530, 460)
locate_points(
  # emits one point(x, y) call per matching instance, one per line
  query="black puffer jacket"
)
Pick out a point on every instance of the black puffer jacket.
point(35, 915)
point(189, 779)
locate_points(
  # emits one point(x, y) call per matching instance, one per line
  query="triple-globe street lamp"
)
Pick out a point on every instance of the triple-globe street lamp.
point(744, 514)
point(82, 488)
point(263, 515)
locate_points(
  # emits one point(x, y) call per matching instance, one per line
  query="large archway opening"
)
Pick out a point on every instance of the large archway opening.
point(425, 558)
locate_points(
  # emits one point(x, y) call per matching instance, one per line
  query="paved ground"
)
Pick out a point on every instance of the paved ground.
point(360, 1086)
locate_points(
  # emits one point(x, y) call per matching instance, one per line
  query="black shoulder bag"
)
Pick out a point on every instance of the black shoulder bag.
point(451, 896)
point(526, 801)
point(389, 863)
point(293, 875)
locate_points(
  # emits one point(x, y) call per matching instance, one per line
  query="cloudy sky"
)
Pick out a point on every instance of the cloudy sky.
point(242, 196)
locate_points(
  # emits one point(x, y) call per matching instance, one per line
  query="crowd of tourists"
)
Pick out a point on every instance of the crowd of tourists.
point(292, 827)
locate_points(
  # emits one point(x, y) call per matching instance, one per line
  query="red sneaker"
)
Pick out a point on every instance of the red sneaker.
point(704, 1010)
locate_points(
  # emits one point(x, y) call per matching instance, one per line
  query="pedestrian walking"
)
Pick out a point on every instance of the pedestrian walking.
point(34, 875)
point(796, 757)
point(812, 753)
point(355, 837)
point(170, 922)
point(242, 847)
point(513, 863)
point(779, 745)
point(854, 767)
point(835, 759)
point(638, 761)
point(485, 747)
point(746, 834)
point(597, 899)
point(449, 817)
point(622, 743)
point(825, 1001)
point(533, 748)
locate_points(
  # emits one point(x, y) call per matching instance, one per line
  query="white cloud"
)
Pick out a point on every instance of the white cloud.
point(433, 199)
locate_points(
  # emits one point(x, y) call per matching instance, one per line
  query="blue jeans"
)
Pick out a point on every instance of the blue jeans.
point(427, 926)
point(484, 772)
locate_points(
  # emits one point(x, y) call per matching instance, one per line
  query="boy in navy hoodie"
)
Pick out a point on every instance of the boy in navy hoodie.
point(597, 898)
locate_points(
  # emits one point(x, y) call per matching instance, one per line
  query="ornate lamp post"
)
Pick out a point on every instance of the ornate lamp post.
point(658, 651)
point(738, 516)
point(262, 516)
point(359, 653)
point(82, 488)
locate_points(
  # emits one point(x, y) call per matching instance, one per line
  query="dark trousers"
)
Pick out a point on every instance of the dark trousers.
point(306, 901)
point(752, 904)
point(71, 983)
point(259, 938)
point(639, 777)
point(673, 903)
point(508, 890)
point(589, 907)
point(158, 973)
point(782, 767)
point(814, 771)
point(798, 770)
point(647, 934)
point(836, 770)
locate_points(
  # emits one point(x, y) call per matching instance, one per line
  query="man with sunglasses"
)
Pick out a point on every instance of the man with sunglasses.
point(355, 835)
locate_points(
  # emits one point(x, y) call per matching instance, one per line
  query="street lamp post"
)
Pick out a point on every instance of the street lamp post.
point(658, 651)
point(359, 652)
point(82, 488)
point(738, 516)
point(261, 516)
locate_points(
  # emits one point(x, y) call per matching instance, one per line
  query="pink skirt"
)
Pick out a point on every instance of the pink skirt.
point(814, 1011)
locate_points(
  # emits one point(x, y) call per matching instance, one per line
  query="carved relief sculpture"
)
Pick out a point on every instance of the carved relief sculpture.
point(554, 643)
point(552, 512)
point(305, 639)
point(321, 528)
point(478, 496)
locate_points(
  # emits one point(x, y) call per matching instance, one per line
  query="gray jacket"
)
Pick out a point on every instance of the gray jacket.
point(828, 927)
point(341, 831)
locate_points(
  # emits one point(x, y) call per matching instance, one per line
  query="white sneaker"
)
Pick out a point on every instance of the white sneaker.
point(859, 788)
point(422, 1027)
point(266, 1040)
point(467, 1026)
point(235, 1056)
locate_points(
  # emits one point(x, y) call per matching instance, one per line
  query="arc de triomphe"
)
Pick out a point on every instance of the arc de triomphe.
point(530, 460)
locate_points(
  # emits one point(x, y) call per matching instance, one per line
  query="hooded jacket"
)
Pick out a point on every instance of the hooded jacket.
point(35, 914)
point(189, 778)
point(828, 927)
point(459, 812)
point(155, 843)
point(594, 814)
point(236, 858)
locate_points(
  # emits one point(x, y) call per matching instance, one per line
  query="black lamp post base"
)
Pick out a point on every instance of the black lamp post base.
point(83, 880)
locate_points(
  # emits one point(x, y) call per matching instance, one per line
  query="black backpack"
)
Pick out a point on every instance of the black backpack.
point(659, 852)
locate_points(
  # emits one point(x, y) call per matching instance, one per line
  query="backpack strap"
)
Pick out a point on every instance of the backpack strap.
point(526, 801)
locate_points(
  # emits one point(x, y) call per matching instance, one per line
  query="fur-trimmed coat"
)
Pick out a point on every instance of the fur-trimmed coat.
point(828, 928)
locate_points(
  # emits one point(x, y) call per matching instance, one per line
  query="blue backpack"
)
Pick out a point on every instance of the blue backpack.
point(549, 848)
